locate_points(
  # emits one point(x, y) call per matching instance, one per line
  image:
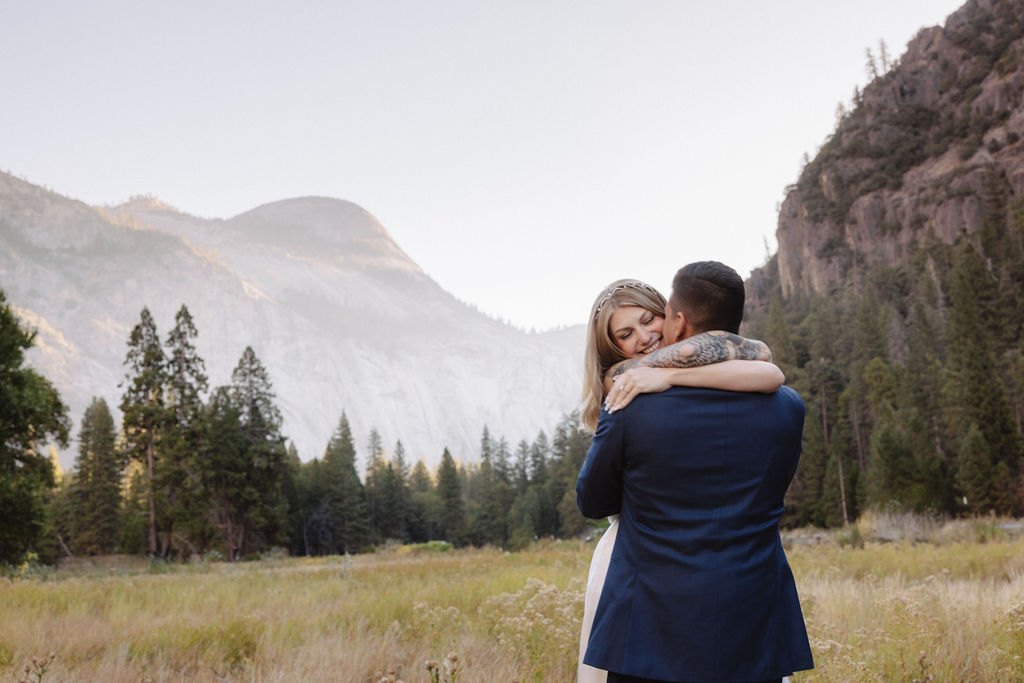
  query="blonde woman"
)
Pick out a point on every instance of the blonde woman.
point(626, 322)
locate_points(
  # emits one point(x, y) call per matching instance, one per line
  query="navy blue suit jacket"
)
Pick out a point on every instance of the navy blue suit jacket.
point(698, 587)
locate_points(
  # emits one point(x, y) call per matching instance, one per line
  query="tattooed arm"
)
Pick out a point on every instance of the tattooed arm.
point(695, 362)
point(701, 349)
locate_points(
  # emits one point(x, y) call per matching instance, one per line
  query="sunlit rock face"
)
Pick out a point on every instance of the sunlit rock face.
point(914, 158)
point(341, 317)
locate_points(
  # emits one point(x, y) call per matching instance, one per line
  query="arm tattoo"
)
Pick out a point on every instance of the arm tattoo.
point(702, 349)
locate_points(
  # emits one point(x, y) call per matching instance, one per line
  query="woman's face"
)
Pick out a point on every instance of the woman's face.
point(635, 330)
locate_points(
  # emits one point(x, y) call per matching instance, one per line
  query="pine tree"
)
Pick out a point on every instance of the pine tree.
point(920, 389)
point(487, 494)
point(186, 371)
point(891, 463)
point(524, 519)
point(345, 494)
point(489, 519)
point(399, 462)
point(317, 520)
point(253, 395)
point(389, 519)
point(838, 503)
point(401, 495)
point(225, 473)
point(419, 480)
point(177, 473)
point(569, 450)
point(450, 523)
point(975, 473)
point(96, 492)
point(298, 494)
point(502, 467)
point(540, 451)
point(805, 491)
point(1011, 369)
point(424, 506)
point(824, 389)
point(779, 338)
point(374, 480)
point(975, 393)
point(486, 446)
point(521, 468)
point(142, 407)
point(243, 462)
point(30, 413)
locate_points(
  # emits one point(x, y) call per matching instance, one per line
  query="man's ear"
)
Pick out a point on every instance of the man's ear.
point(679, 323)
point(683, 327)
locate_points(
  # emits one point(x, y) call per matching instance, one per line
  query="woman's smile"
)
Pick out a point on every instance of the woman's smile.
point(650, 349)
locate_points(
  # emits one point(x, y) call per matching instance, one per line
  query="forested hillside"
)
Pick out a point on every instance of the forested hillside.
point(894, 303)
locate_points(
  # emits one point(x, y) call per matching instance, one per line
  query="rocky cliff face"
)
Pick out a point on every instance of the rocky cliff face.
point(931, 149)
point(336, 311)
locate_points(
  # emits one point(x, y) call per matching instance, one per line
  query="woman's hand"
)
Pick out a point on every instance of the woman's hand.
point(641, 380)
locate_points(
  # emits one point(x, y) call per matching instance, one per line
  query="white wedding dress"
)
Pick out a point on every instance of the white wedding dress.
point(595, 583)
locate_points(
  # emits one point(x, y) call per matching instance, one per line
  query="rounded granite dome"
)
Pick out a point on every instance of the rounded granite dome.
point(323, 223)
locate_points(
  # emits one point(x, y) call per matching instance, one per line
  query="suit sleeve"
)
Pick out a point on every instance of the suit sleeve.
point(599, 486)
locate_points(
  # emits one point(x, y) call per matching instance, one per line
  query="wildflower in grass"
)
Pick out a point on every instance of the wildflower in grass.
point(439, 622)
point(434, 670)
point(451, 666)
point(37, 669)
point(538, 620)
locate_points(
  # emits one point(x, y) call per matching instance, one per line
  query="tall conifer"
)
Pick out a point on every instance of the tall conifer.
point(142, 407)
point(450, 523)
point(975, 472)
point(975, 393)
point(178, 477)
point(345, 493)
point(96, 491)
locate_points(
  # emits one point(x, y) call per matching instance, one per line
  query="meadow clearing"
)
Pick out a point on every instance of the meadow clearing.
point(948, 606)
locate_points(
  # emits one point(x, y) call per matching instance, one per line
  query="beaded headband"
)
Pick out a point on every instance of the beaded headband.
point(611, 292)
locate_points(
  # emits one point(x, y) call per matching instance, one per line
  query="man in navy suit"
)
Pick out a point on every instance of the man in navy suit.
point(698, 588)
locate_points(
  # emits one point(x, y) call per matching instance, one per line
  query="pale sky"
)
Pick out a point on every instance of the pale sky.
point(524, 152)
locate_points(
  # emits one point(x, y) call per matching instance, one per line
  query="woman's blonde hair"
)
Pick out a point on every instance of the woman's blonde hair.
point(602, 352)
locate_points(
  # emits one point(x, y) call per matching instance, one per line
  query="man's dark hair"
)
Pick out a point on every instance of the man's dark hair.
point(710, 294)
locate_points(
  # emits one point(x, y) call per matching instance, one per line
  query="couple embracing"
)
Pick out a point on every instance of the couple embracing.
point(690, 582)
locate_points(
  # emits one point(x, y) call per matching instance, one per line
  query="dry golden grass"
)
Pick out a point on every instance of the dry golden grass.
point(905, 612)
point(885, 612)
point(507, 616)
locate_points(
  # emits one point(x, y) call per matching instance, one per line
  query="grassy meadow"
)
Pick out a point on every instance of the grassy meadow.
point(944, 603)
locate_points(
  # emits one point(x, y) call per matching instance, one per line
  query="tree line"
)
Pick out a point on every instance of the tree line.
point(193, 472)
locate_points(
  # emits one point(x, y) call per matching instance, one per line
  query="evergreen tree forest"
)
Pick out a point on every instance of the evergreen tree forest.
point(906, 343)
point(198, 472)
point(913, 377)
